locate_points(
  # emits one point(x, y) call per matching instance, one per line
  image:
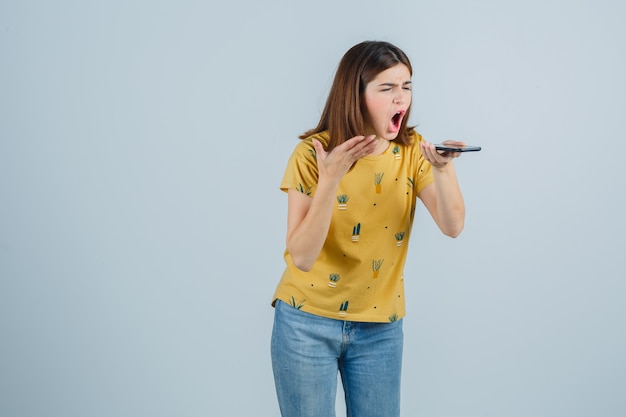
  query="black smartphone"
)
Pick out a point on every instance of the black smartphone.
point(452, 148)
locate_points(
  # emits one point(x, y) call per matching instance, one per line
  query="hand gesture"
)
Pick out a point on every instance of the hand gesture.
point(336, 163)
point(439, 159)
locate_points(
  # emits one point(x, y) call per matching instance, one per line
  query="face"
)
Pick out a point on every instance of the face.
point(387, 98)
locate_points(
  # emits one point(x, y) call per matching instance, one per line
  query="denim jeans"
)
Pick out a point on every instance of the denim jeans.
point(309, 350)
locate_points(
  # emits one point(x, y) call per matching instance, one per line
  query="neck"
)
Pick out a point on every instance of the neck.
point(381, 146)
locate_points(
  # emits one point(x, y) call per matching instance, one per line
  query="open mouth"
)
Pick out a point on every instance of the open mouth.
point(396, 119)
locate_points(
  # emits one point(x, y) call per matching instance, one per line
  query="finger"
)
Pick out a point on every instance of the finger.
point(428, 149)
point(355, 148)
point(366, 147)
point(454, 143)
point(432, 155)
point(319, 149)
point(368, 142)
point(356, 141)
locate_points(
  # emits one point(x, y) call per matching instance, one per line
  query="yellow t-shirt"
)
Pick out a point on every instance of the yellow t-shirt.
point(358, 275)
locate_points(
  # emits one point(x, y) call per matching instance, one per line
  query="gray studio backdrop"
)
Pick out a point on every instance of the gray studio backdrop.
point(142, 229)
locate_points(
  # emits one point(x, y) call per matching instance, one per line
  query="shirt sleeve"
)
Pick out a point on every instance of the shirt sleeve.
point(424, 172)
point(301, 173)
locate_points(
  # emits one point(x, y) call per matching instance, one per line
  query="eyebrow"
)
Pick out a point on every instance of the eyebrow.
point(394, 84)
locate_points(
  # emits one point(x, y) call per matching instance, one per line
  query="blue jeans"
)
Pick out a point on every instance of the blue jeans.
point(309, 350)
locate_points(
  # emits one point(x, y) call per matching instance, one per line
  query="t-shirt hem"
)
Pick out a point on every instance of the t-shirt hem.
point(364, 318)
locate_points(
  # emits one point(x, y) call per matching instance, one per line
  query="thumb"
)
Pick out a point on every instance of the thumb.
point(319, 150)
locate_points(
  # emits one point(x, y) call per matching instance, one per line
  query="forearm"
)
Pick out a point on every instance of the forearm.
point(450, 204)
point(305, 242)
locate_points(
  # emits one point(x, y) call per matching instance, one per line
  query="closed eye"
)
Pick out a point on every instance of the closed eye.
point(390, 86)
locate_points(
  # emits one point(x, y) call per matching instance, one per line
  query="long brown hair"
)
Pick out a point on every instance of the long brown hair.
point(343, 114)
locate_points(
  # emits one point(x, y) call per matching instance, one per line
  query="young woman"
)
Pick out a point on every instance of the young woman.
point(352, 185)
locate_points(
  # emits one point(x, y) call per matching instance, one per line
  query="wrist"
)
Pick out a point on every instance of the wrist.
point(442, 167)
point(328, 183)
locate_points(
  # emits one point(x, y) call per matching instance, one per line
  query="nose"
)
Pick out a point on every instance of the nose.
point(399, 98)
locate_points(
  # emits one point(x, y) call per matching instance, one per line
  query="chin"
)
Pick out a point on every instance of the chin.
point(387, 135)
point(391, 136)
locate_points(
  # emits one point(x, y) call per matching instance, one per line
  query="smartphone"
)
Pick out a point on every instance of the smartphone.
point(452, 148)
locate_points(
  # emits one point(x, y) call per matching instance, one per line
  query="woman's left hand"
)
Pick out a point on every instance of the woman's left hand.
point(440, 159)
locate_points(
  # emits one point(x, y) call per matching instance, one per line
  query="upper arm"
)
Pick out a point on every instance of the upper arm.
point(429, 198)
point(298, 205)
point(448, 214)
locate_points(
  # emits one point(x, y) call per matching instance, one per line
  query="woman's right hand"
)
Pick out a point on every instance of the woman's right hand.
point(336, 163)
point(308, 218)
